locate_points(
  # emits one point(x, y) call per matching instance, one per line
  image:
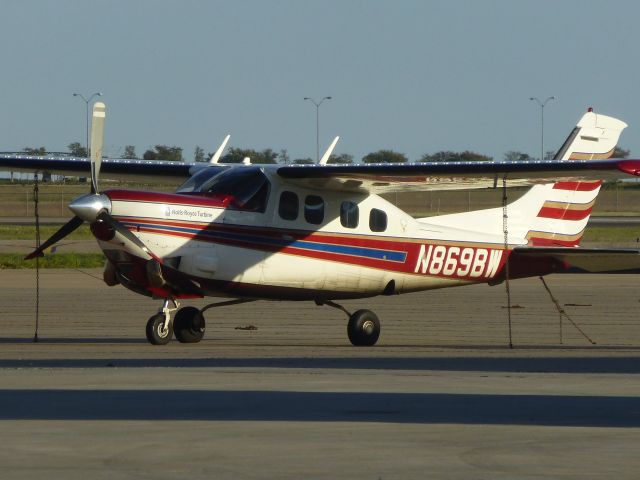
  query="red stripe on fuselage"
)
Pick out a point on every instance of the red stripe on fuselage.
point(410, 248)
point(306, 235)
point(196, 200)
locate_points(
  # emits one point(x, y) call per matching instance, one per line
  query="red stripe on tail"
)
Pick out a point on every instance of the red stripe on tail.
point(578, 186)
point(562, 214)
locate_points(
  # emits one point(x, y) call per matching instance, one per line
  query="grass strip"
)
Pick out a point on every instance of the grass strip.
point(610, 234)
point(60, 260)
point(28, 232)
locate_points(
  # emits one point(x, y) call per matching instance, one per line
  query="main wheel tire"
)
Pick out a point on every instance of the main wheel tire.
point(156, 334)
point(189, 325)
point(363, 328)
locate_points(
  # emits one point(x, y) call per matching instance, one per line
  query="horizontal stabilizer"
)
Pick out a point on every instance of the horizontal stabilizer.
point(584, 260)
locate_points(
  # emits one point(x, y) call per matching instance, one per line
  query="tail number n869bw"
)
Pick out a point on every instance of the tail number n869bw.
point(459, 262)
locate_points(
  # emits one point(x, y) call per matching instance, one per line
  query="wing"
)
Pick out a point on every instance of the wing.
point(582, 260)
point(117, 169)
point(583, 156)
point(382, 178)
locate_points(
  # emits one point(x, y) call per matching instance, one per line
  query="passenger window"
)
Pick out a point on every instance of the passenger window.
point(349, 214)
point(314, 209)
point(288, 208)
point(377, 220)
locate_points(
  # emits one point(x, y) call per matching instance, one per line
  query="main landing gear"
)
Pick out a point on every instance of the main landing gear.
point(363, 328)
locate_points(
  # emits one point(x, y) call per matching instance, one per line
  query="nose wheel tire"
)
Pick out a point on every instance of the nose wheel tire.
point(189, 325)
point(363, 328)
point(156, 333)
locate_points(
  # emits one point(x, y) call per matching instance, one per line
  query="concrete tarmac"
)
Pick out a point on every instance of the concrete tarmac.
point(275, 390)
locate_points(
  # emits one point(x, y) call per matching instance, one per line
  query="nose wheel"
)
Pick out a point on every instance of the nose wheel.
point(157, 332)
point(159, 327)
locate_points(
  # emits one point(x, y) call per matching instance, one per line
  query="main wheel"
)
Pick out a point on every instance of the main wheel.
point(363, 328)
point(189, 325)
point(156, 333)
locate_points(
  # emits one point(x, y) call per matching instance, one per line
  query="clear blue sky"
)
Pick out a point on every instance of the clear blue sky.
point(412, 76)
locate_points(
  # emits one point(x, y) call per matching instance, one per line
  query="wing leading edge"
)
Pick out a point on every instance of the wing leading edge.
point(117, 169)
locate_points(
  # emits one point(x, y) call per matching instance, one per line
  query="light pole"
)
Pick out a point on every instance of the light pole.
point(87, 101)
point(542, 104)
point(317, 104)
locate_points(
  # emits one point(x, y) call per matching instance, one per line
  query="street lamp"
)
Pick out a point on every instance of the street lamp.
point(87, 101)
point(542, 104)
point(317, 104)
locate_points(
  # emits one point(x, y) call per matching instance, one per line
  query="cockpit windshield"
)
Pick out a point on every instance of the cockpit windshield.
point(246, 188)
point(196, 181)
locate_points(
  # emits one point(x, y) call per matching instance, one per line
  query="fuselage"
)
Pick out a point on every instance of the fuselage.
point(285, 241)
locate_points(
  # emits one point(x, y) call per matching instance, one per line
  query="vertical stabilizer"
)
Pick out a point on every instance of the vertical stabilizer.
point(564, 213)
point(554, 214)
point(594, 138)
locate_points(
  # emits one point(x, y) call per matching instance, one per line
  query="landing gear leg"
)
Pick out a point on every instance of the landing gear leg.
point(159, 329)
point(363, 328)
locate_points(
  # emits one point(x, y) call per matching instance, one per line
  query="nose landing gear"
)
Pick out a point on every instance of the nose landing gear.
point(188, 326)
point(159, 329)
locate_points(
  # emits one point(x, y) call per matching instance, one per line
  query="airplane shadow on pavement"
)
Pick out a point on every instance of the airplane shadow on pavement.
point(515, 364)
point(421, 408)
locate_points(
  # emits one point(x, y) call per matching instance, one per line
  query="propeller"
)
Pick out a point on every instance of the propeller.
point(94, 200)
point(65, 230)
point(93, 206)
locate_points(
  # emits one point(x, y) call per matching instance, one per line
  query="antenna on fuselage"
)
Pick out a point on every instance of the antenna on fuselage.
point(216, 156)
point(327, 154)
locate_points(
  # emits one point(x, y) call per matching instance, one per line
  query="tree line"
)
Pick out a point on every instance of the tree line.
point(269, 156)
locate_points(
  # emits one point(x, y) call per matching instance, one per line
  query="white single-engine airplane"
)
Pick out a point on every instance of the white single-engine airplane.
point(321, 233)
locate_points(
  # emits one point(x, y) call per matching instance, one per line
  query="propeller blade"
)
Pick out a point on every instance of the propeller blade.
point(97, 137)
point(126, 233)
point(65, 230)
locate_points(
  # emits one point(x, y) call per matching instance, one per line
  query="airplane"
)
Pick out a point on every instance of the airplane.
point(322, 233)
